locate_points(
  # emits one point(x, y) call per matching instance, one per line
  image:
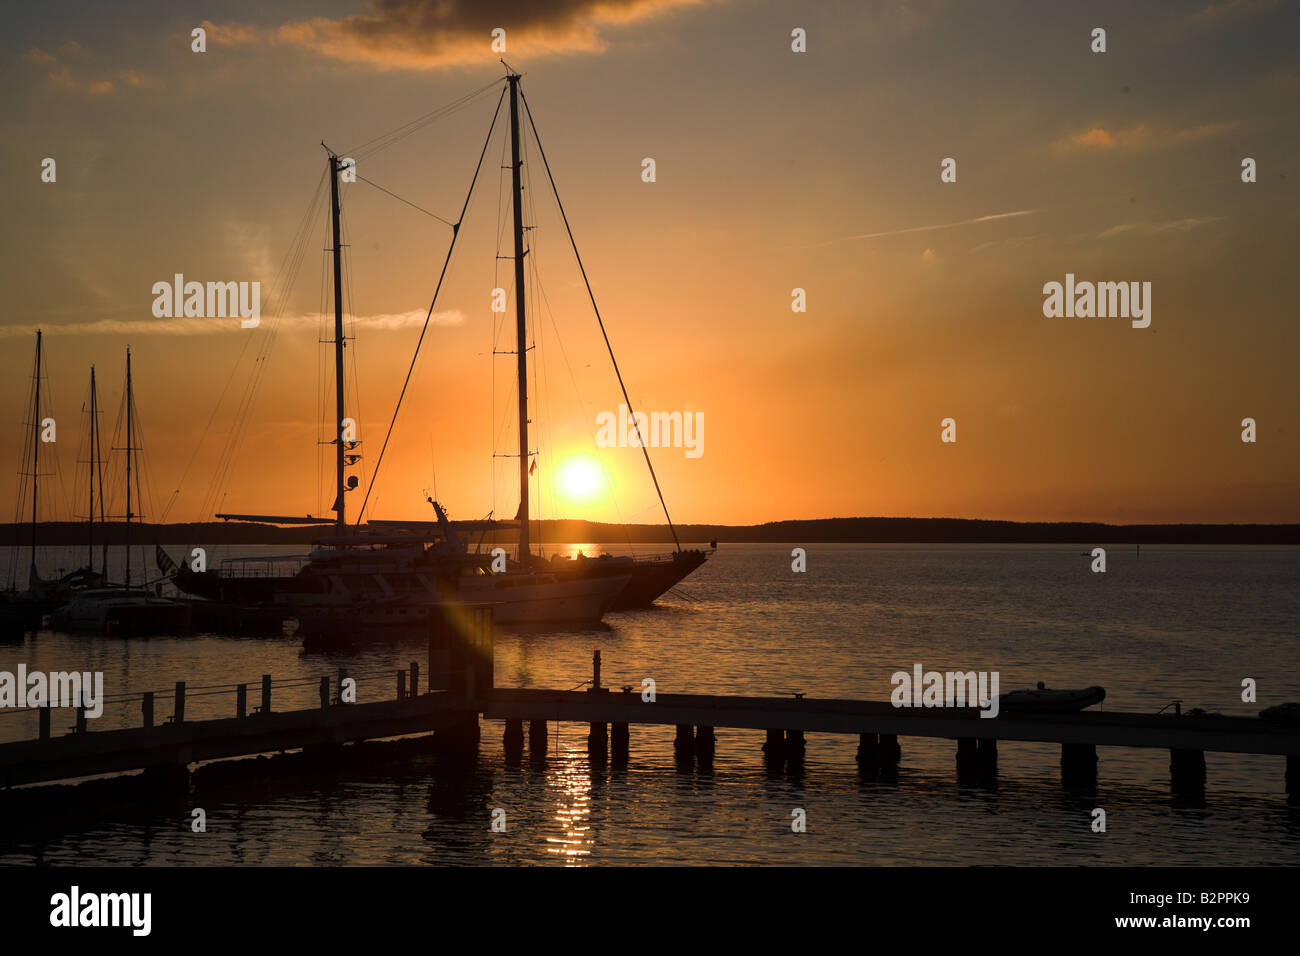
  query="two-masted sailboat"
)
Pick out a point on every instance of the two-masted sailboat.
point(647, 578)
point(25, 610)
point(364, 581)
point(120, 610)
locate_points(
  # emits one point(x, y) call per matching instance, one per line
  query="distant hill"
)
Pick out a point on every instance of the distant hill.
point(823, 530)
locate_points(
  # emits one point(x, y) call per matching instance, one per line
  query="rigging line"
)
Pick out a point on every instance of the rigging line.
point(407, 201)
point(412, 125)
point(573, 242)
point(455, 234)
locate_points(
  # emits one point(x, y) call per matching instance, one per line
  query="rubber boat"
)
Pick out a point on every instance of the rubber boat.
point(1056, 701)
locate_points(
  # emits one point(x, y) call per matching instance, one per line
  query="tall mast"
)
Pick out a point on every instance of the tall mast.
point(130, 433)
point(36, 454)
point(521, 325)
point(341, 524)
point(90, 507)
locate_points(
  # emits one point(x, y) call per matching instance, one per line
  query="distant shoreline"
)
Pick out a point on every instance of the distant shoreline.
point(821, 531)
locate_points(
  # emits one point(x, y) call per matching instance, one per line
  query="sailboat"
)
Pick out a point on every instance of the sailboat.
point(22, 611)
point(359, 581)
point(121, 611)
point(648, 578)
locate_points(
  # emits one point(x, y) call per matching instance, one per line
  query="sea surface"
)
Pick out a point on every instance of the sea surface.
point(1188, 623)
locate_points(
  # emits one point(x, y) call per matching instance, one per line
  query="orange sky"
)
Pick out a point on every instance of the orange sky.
point(775, 170)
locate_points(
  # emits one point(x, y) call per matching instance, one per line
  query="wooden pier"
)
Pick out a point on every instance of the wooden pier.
point(460, 690)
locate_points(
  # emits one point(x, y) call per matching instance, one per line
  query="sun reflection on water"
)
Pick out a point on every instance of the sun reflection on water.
point(571, 781)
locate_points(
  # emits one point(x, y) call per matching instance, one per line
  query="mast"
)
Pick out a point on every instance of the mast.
point(36, 455)
point(130, 432)
point(340, 524)
point(90, 506)
point(521, 325)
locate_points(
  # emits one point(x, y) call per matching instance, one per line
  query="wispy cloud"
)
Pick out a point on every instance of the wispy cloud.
point(1138, 137)
point(427, 34)
point(230, 326)
point(1156, 228)
point(61, 77)
point(1217, 12)
point(994, 217)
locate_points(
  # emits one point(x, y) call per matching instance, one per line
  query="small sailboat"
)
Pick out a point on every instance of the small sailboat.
point(1054, 701)
point(25, 610)
point(123, 611)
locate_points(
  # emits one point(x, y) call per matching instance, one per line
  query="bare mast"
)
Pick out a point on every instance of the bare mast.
point(340, 522)
point(521, 324)
point(32, 576)
point(130, 442)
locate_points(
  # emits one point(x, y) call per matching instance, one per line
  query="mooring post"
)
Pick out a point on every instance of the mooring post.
point(45, 722)
point(401, 684)
point(537, 739)
point(794, 746)
point(595, 670)
point(868, 752)
point(1079, 765)
point(774, 746)
point(705, 743)
point(514, 739)
point(684, 742)
point(146, 708)
point(343, 675)
point(1187, 769)
point(890, 752)
point(179, 713)
point(324, 692)
point(241, 700)
point(987, 752)
point(266, 694)
point(620, 742)
point(598, 742)
point(415, 678)
point(966, 755)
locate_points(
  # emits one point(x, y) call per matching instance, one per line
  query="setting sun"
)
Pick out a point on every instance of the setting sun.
point(581, 480)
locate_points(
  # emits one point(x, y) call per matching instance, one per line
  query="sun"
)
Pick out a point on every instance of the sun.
point(581, 480)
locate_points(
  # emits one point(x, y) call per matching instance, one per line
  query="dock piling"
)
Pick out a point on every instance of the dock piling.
point(415, 678)
point(81, 715)
point(1187, 769)
point(1079, 765)
point(45, 722)
point(401, 684)
point(598, 742)
point(795, 746)
point(537, 739)
point(324, 692)
point(513, 739)
point(705, 744)
point(146, 708)
point(241, 701)
point(620, 743)
point(266, 694)
point(684, 742)
point(178, 716)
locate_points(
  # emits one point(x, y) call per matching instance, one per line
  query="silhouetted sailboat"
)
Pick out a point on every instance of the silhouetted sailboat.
point(123, 611)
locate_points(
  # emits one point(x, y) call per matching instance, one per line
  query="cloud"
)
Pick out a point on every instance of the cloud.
point(61, 78)
point(1138, 137)
point(1156, 228)
point(945, 225)
point(186, 327)
point(1216, 12)
point(428, 34)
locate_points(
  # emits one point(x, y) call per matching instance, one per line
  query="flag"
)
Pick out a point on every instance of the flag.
point(165, 564)
point(533, 467)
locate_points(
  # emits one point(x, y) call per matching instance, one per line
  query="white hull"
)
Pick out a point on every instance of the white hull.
point(516, 600)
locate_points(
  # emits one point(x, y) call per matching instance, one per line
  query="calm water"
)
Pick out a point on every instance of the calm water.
point(1178, 622)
